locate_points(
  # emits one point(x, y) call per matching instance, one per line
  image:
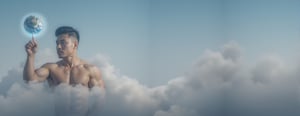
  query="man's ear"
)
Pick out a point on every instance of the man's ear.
point(75, 44)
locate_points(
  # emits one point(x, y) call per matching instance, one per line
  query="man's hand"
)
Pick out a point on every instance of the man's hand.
point(31, 47)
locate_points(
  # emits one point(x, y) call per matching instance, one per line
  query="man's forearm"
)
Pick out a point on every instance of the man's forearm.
point(28, 72)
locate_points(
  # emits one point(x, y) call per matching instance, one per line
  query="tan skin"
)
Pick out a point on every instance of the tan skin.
point(70, 70)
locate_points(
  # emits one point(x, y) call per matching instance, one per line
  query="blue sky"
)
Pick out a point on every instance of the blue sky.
point(154, 41)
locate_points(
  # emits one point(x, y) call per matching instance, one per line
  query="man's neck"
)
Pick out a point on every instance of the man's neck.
point(71, 61)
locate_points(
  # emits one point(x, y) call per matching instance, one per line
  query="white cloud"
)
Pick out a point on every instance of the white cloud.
point(176, 111)
point(217, 85)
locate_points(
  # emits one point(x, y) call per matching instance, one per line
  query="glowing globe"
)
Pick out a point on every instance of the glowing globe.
point(33, 24)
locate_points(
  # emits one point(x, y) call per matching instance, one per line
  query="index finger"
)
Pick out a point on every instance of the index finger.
point(34, 41)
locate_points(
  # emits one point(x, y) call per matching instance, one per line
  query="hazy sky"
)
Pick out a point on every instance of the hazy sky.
point(156, 40)
point(179, 57)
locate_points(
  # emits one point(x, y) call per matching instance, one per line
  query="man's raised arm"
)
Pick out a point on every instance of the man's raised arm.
point(29, 72)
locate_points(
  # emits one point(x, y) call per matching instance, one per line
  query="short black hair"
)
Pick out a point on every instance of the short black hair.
point(67, 30)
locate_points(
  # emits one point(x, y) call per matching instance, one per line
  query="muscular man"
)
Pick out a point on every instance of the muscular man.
point(70, 70)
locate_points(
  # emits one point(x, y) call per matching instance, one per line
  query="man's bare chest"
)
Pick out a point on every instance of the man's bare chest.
point(73, 76)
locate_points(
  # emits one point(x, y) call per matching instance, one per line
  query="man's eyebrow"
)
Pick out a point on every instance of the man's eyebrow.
point(60, 40)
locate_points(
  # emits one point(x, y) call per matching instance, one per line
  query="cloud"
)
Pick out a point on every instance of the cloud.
point(176, 111)
point(219, 84)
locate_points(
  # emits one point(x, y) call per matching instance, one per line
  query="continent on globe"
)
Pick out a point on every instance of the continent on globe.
point(33, 24)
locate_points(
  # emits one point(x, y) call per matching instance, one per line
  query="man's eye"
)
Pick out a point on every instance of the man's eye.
point(62, 42)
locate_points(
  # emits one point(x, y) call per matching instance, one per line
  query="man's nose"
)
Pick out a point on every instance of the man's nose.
point(58, 46)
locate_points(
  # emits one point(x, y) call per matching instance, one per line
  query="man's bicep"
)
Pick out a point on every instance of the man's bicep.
point(42, 73)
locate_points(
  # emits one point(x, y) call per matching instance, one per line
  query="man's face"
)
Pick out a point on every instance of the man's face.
point(65, 46)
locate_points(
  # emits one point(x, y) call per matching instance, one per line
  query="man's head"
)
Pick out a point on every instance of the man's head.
point(67, 41)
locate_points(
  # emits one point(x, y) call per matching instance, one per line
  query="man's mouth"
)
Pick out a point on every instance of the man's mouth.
point(60, 52)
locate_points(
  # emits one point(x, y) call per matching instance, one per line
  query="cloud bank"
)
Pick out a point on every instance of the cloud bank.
point(220, 83)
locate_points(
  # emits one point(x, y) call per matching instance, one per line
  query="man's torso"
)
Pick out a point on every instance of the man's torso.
point(60, 73)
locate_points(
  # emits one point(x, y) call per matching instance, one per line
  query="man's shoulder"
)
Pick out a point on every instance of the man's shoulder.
point(89, 66)
point(50, 64)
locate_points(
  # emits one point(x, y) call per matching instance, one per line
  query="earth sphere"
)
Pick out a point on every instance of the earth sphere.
point(33, 24)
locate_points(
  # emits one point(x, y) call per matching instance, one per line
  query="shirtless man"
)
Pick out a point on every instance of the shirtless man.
point(70, 70)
